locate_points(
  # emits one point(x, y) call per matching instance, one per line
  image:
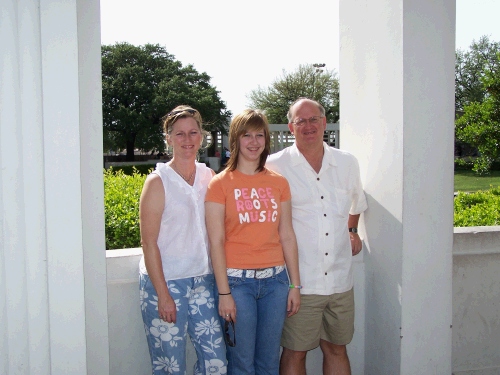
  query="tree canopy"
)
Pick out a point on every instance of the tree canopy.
point(307, 81)
point(477, 101)
point(479, 125)
point(140, 84)
point(470, 67)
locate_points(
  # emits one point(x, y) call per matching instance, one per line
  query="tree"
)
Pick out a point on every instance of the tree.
point(140, 84)
point(470, 67)
point(307, 81)
point(479, 125)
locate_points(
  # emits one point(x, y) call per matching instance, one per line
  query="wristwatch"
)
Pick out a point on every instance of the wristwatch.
point(353, 230)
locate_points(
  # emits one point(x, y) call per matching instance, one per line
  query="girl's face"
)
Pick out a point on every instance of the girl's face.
point(185, 137)
point(252, 144)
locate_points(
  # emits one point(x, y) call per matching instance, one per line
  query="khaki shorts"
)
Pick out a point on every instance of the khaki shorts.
point(330, 318)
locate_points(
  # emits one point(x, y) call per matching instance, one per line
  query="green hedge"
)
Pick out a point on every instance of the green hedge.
point(130, 169)
point(481, 208)
point(121, 208)
point(122, 192)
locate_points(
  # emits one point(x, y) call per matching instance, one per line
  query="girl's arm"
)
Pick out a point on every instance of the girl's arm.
point(214, 215)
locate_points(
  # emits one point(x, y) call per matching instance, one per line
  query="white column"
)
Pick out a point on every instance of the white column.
point(397, 116)
point(14, 319)
point(53, 305)
point(92, 185)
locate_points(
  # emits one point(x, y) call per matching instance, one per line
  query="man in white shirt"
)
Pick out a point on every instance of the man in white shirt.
point(327, 200)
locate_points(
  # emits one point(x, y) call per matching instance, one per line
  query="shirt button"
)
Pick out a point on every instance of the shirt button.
point(327, 234)
point(324, 215)
point(317, 179)
point(326, 253)
point(326, 273)
point(321, 197)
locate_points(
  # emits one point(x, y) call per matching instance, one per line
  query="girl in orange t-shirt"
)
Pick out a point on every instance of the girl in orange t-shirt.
point(249, 222)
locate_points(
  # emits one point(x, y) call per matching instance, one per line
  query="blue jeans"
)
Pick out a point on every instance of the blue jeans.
point(196, 316)
point(260, 315)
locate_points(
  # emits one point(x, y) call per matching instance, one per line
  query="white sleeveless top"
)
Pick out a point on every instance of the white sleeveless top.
point(183, 239)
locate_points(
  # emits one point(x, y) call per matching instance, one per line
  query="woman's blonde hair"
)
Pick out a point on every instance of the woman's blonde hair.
point(177, 113)
point(182, 111)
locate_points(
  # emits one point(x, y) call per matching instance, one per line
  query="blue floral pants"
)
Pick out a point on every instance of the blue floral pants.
point(196, 315)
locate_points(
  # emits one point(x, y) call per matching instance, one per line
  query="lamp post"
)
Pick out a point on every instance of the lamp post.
point(319, 69)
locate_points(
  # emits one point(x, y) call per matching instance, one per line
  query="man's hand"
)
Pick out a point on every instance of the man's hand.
point(356, 244)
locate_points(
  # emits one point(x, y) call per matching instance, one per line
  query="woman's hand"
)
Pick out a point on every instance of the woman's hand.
point(167, 309)
point(227, 307)
point(293, 304)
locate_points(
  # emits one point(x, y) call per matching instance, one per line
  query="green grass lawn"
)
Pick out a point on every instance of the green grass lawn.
point(470, 181)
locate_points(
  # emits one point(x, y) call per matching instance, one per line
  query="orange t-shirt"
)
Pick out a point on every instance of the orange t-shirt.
point(253, 211)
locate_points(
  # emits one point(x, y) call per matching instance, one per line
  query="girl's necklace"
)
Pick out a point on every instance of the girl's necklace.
point(180, 174)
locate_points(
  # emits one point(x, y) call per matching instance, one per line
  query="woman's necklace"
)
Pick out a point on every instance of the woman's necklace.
point(180, 174)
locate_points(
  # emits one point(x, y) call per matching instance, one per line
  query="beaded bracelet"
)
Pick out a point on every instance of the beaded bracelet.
point(291, 286)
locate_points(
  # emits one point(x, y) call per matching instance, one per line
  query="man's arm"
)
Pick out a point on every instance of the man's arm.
point(356, 244)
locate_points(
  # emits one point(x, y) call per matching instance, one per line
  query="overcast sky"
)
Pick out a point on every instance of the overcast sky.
point(244, 44)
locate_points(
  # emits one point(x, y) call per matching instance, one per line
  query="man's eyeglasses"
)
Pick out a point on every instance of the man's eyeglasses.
point(312, 120)
point(229, 341)
point(174, 113)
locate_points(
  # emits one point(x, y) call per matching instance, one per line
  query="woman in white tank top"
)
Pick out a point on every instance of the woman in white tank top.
point(176, 278)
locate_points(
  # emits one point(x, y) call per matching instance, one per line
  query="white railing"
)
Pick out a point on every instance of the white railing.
point(281, 137)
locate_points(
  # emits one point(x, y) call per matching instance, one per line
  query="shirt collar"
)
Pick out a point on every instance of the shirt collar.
point(296, 155)
point(328, 156)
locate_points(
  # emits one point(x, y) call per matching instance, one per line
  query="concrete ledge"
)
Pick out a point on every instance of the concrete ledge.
point(476, 240)
point(476, 314)
point(476, 292)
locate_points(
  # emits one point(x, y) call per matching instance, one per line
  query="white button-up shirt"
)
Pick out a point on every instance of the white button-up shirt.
point(321, 204)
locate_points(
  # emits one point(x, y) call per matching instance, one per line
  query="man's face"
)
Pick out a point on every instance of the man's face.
point(307, 124)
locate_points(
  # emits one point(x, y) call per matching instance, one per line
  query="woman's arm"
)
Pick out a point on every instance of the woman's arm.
point(151, 208)
point(214, 215)
point(290, 252)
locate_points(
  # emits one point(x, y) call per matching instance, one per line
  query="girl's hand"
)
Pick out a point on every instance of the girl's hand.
point(227, 307)
point(293, 304)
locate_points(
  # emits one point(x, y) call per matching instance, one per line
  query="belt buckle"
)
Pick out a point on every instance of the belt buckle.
point(271, 269)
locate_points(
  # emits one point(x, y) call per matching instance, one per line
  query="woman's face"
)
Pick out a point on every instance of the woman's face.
point(185, 137)
point(252, 144)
